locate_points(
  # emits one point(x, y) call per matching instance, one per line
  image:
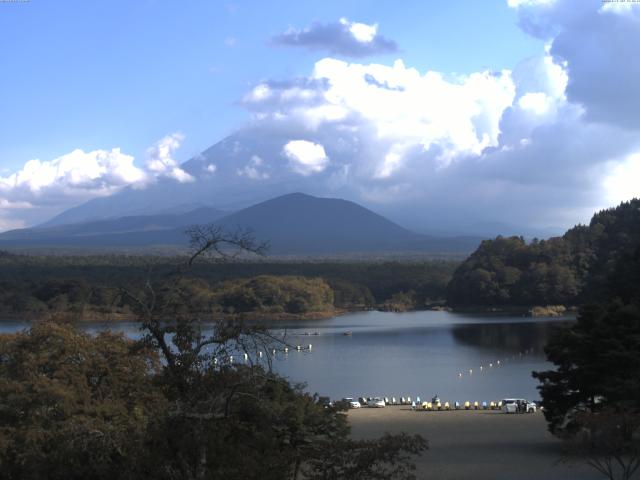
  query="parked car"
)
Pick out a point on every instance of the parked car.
point(351, 402)
point(518, 405)
point(376, 402)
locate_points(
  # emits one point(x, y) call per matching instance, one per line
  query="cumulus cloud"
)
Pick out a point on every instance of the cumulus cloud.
point(399, 108)
point(352, 39)
point(44, 187)
point(76, 174)
point(597, 43)
point(160, 159)
point(544, 143)
point(306, 157)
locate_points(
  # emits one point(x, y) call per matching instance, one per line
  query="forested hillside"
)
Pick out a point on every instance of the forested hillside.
point(85, 287)
point(588, 263)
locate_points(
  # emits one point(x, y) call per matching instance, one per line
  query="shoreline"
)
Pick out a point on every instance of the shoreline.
point(476, 444)
point(115, 317)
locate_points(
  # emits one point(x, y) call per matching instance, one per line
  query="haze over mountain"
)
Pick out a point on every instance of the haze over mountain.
point(293, 224)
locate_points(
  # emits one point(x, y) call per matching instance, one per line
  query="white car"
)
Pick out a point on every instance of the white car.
point(376, 402)
point(352, 403)
point(510, 405)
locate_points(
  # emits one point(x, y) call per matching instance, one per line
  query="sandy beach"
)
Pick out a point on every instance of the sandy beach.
point(475, 445)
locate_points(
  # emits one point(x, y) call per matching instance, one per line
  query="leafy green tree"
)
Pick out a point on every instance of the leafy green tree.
point(597, 363)
point(74, 406)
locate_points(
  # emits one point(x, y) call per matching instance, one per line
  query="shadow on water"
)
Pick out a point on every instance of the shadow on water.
point(508, 337)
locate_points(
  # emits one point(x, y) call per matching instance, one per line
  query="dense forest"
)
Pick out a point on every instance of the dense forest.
point(87, 286)
point(588, 263)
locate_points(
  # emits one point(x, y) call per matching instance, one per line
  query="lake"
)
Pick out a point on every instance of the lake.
point(407, 354)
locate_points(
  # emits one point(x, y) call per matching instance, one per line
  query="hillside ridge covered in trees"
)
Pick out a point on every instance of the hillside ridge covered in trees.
point(587, 263)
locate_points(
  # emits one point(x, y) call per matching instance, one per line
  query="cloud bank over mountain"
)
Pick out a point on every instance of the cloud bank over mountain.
point(544, 143)
point(42, 188)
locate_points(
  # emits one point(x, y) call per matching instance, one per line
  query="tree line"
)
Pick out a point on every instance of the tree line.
point(85, 286)
point(589, 262)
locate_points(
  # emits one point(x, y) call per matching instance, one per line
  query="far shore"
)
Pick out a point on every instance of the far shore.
point(117, 317)
point(477, 445)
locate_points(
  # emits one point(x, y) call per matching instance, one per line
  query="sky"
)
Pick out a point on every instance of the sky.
point(448, 113)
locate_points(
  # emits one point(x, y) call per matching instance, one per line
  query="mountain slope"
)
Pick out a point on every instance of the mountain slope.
point(298, 224)
point(293, 224)
point(144, 228)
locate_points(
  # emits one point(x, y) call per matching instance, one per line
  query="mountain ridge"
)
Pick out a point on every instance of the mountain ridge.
point(294, 223)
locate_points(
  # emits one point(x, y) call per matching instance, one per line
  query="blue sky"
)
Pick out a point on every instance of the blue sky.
point(78, 74)
point(433, 113)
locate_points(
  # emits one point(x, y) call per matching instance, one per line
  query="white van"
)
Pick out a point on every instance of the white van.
point(510, 405)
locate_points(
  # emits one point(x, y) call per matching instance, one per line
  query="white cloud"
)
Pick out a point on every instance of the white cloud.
point(42, 186)
point(530, 145)
point(160, 159)
point(361, 32)
point(76, 174)
point(623, 182)
point(306, 157)
point(352, 39)
point(402, 107)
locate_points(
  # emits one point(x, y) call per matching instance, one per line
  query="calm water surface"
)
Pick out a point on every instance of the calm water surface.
point(407, 354)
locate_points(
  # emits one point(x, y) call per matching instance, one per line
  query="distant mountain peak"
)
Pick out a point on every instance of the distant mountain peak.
point(295, 223)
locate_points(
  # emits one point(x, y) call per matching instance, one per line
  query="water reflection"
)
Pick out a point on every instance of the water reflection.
point(507, 337)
